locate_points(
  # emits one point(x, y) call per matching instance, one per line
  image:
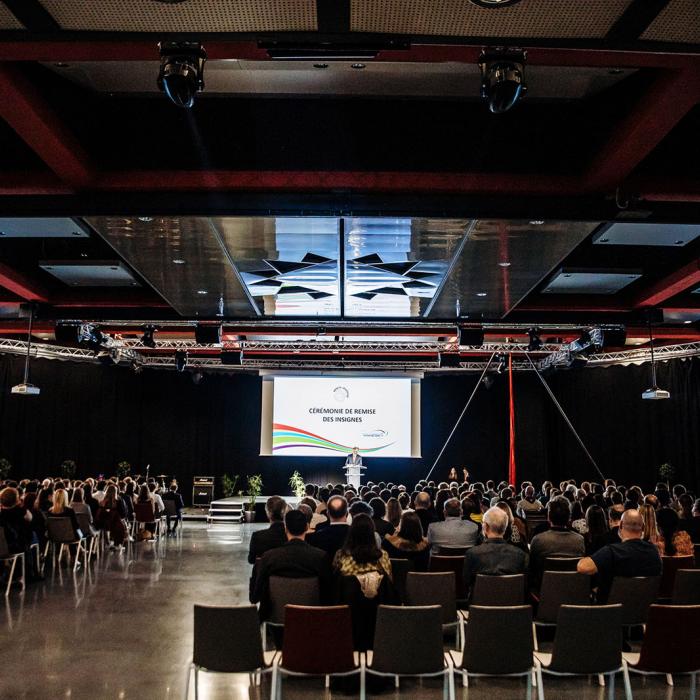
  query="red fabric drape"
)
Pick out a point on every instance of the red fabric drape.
point(511, 454)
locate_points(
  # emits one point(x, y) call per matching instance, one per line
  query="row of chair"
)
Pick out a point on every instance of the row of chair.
point(318, 642)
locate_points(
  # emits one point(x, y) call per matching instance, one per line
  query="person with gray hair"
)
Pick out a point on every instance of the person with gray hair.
point(453, 531)
point(495, 556)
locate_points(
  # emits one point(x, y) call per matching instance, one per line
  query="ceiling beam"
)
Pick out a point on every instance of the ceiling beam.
point(676, 283)
point(37, 124)
point(635, 19)
point(20, 285)
point(670, 97)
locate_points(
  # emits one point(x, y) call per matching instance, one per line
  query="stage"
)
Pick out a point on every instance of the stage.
point(231, 509)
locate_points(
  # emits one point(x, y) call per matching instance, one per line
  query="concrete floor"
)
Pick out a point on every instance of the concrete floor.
point(123, 630)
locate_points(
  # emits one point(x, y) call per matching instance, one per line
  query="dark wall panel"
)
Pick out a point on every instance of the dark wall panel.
point(100, 415)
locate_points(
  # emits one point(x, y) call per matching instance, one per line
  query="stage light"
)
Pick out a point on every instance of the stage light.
point(147, 338)
point(180, 360)
point(488, 381)
point(535, 342)
point(181, 74)
point(92, 337)
point(501, 363)
point(654, 393)
point(502, 78)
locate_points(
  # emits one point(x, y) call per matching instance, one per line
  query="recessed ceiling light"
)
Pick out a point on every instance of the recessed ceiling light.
point(490, 4)
point(678, 242)
point(202, 291)
point(358, 66)
point(687, 321)
point(536, 223)
point(83, 255)
point(178, 261)
point(481, 294)
point(320, 65)
point(504, 263)
point(145, 219)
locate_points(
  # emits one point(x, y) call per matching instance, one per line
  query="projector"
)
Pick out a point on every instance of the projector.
point(26, 390)
point(654, 394)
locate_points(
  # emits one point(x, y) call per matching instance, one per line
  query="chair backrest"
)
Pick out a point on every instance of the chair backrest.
point(532, 520)
point(686, 587)
point(668, 574)
point(671, 641)
point(436, 588)
point(439, 563)
point(60, 530)
point(4, 548)
point(399, 570)
point(507, 590)
point(484, 651)
point(588, 639)
point(560, 563)
point(452, 551)
point(317, 640)
point(285, 591)
point(561, 588)
point(170, 508)
point(635, 594)
point(144, 512)
point(227, 639)
point(84, 523)
point(408, 640)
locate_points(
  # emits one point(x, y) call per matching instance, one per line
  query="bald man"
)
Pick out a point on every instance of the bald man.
point(632, 556)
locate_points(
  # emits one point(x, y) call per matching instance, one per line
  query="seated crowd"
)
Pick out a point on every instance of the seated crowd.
point(337, 532)
point(109, 505)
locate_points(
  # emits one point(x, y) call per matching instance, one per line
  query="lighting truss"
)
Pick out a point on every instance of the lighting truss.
point(640, 355)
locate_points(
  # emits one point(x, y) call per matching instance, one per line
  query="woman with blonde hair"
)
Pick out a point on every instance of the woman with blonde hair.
point(60, 509)
point(650, 533)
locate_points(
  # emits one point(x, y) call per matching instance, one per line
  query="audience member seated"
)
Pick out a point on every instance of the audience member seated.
point(175, 497)
point(597, 531)
point(529, 504)
point(381, 524)
point(60, 509)
point(558, 541)
point(296, 558)
point(632, 556)
point(274, 536)
point(672, 541)
point(316, 518)
point(614, 516)
point(424, 510)
point(494, 556)
point(453, 531)
point(331, 538)
point(16, 521)
point(516, 532)
point(110, 517)
point(409, 543)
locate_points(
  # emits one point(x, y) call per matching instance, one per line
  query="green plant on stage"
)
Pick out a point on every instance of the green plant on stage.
point(229, 482)
point(298, 484)
point(123, 469)
point(667, 472)
point(5, 468)
point(255, 484)
point(68, 469)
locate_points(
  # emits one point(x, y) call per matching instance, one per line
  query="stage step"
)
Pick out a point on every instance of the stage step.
point(223, 512)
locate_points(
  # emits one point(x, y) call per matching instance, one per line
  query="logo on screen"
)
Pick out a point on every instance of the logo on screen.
point(340, 394)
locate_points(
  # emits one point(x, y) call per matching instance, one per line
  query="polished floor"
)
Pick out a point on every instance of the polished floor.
point(123, 630)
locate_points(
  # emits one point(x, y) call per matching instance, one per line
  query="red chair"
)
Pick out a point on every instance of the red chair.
point(317, 642)
point(668, 575)
point(671, 643)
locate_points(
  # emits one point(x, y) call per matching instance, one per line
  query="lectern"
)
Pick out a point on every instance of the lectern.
point(353, 474)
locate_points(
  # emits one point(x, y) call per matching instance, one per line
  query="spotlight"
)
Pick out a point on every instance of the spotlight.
point(91, 336)
point(180, 360)
point(502, 363)
point(488, 381)
point(147, 337)
point(535, 342)
point(181, 74)
point(502, 78)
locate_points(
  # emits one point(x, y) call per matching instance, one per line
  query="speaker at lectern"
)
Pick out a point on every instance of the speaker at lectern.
point(354, 468)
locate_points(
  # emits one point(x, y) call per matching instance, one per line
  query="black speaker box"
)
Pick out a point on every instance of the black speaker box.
point(207, 334)
point(471, 336)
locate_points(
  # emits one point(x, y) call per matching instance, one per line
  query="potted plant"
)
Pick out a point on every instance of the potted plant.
point(68, 468)
point(667, 472)
point(5, 468)
point(255, 484)
point(228, 484)
point(298, 485)
point(123, 469)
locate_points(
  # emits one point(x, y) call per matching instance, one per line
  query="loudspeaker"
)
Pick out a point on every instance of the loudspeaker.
point(207, 334)
point(66, 335)
point(614, 337)
point(230, 357)
point(471, 336)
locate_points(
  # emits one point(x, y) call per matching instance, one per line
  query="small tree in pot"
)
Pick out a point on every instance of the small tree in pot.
point(123, 469)
point(68, 469)
point(228, 483)
point(255, 484)
point(5, 468)
point(296, 481)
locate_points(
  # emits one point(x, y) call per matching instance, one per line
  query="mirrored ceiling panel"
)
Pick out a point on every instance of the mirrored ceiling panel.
point(395, 267)
point(183, 259)
point(501, 261)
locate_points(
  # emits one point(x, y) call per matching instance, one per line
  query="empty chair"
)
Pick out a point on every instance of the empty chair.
point(144, 514)
point(284, 591)
point(408, 642)
point(317, 642)
point(399, 570)
point(227, 640)
point(506, 590)
point(439, 563)
point(91, 535)
point(483, 649)
point(671, 643)
point(588, 641)
point(668, 574)
point(60, 533)
point(13, 558)
point(560, 563)
point(435, 589)
point(686, 587)
point(561, 588)
point(635, 594)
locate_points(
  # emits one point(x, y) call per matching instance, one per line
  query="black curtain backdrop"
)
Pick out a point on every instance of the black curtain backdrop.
point(100, 415)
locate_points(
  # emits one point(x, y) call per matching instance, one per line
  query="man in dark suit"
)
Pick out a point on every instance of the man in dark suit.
point(173, 495)
point(331, 538)
point(273, 536)
point(296, 558)
point(495, 556)
point(425, 511)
